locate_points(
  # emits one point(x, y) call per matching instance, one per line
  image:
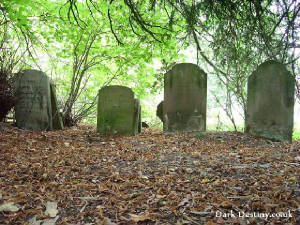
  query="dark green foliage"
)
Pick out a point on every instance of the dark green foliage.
point(7, 99)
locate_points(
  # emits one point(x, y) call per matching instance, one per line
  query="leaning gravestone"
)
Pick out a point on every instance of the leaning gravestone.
point(270, 102)
point(56, 115)
point(184, 106)
point(33, 107)
point(159, 110)
point(117, 111)
point(137, 116)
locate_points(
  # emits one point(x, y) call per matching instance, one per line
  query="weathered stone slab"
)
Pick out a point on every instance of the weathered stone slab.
point(159, 110)
point(56, 115)
point(33, 107)
point(117, 111)
point(137, 116)
point(185, 91)
point(270, 102)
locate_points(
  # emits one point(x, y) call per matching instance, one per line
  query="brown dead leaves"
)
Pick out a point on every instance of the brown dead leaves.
point(147, 179)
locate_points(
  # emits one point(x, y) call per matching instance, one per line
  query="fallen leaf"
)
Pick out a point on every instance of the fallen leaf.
point(67, 144)
point(292, 179)
point(183, 202)
point(210, 222)
point(196, 154)
point(51, 209)
point(139, 218)
point(196, 163)
point(106, 221)
point(50, 221)
point(9, 207)
point(226, 204)
point(205, 180)
point(297, 158)
point(33, 221)
point(189, 170)
point(100, 212)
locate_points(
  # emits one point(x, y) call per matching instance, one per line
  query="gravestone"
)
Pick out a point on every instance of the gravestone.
point(56, 115)
point(33, 107)
point(159, 110)
point(270, 102)
point(118, 112)
point(184, 106)
point(137, 116)
point(144, 124)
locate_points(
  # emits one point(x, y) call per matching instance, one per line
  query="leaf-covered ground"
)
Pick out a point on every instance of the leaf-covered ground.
point(147, 179)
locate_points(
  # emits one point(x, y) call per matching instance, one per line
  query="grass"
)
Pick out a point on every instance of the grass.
point(240, 127)
point(200, 135)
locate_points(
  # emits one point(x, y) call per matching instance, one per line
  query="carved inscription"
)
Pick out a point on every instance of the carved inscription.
point(33, 108)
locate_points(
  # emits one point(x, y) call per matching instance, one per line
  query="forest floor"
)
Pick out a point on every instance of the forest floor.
point(77, 176)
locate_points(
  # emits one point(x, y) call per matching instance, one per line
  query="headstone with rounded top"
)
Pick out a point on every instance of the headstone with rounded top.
point(270, 102)
point(117, 111)
point(33, 107)
point(185, 93)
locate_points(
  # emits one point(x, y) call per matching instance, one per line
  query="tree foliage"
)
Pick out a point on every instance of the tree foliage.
point(237, 36)
point(85, 53)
